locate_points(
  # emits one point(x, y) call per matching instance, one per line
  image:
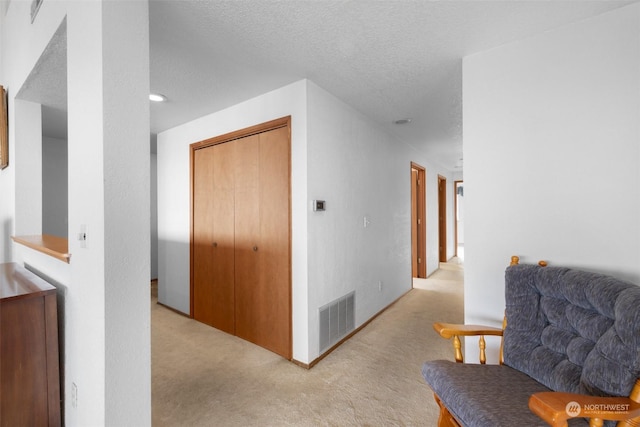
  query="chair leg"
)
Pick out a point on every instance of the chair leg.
point(445, 419)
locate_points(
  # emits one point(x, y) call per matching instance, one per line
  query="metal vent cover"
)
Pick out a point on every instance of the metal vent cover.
point(337, 320)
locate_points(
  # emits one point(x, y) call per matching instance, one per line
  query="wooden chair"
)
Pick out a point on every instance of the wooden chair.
point(555, 408)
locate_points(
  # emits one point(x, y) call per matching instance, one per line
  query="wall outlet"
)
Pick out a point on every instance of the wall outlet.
point(74, 395)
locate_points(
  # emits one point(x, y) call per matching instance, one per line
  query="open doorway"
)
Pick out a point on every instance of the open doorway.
point(418, 222)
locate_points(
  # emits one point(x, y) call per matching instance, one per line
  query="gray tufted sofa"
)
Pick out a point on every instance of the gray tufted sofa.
point(566, 330)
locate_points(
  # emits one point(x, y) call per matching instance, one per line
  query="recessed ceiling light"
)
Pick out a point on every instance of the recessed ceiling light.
point(156, 97)
point(402, 121)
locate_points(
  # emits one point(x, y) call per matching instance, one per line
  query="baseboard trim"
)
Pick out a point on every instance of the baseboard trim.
point(346, 338)
point(301, 364)
point(173, 309)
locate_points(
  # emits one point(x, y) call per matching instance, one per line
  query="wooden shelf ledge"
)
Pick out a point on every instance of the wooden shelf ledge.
point(57, 247)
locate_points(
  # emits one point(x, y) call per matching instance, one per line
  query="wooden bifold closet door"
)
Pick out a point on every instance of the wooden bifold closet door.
point(213, 237)
point(241, 256)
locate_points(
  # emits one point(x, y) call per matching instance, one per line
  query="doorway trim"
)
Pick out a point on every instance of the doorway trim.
point(418, 221)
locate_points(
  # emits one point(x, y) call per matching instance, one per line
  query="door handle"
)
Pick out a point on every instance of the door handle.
point(215, 244)
point(255, 249)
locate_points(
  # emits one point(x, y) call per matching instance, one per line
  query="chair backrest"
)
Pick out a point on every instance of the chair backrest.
point(572, 330)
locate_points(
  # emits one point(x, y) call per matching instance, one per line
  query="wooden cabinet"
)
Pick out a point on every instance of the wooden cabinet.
point(29, 370)
point(241, 256)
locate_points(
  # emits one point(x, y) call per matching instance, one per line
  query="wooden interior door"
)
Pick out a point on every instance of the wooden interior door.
point(213, 205)
point(274, 330)
point(418, 221)
point(442, 218)
point(203, 300)
point(223, 260)
point(248, 247)
point(414, 222)
point(263, 287)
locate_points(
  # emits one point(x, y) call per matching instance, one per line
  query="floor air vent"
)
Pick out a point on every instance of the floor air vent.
point(337, 319)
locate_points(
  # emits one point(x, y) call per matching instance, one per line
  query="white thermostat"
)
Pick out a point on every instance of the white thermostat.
point(318, 205)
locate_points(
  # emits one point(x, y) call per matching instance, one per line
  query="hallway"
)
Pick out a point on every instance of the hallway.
point(204, 377)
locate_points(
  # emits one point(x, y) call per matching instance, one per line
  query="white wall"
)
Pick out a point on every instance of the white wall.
point(22, 45)
point(173, 195)
point(338, 156)
point(359, 171)
point(154, 216)
point(28, 175)
point(106, 331)
point(551, 155)
point(126, 163)
point(55, 195)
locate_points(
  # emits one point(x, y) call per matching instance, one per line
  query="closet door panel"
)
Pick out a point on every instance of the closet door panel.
point(213, 301)
point(223, 238)
point(247, 228)
point(203, 236)
point(274, 287)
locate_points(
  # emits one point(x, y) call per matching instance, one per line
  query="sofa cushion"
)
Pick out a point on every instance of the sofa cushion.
point(572, 330)
point(486, 395)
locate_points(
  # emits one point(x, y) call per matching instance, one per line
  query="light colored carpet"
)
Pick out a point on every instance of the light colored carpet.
point(204, 377)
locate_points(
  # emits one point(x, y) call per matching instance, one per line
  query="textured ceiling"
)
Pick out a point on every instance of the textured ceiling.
point(389, 59)
point(47, 85)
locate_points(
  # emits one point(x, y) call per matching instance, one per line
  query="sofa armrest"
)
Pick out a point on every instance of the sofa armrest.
point(448, 330)
point(556, 408)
